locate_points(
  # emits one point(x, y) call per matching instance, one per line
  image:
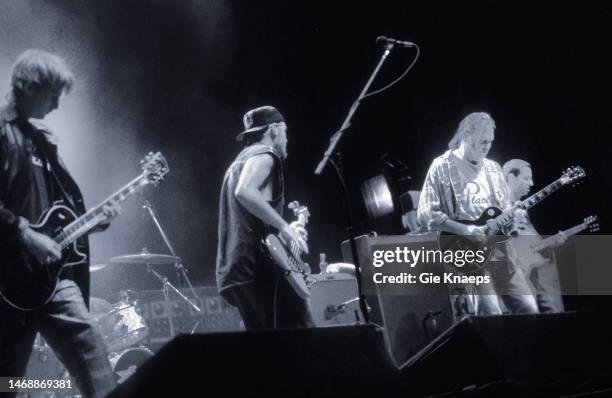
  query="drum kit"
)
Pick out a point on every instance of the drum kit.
point(122, 326)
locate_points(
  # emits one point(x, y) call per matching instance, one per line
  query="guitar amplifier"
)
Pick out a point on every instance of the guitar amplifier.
point(334, 300)
point(168, 318)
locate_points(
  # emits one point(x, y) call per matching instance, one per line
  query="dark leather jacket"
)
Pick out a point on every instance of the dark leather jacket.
point(15, 172)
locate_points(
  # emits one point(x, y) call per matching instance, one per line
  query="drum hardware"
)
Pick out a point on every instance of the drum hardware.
point(180, 269)
point(122, 326)
point(144, 257)
point(178, 265)
point(45, 365)
point(166, 286)
point(98, 306)
point(126, 362)
point(97, 267)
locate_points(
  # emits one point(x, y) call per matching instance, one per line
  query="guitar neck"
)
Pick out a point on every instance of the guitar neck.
point(85, 223)
point(546, 243)
point(506, 218)
point(541, 194)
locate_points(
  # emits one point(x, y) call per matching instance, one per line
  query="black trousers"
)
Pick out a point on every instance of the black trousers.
point(270, 304)
point(67, 326)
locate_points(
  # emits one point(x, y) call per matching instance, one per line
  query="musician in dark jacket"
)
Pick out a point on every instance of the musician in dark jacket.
point(460, 185)
point(32, 178)
point(251, 203)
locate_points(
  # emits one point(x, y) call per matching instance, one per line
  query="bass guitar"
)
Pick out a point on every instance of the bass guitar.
point(26, 284)
point(494, 221)
point(288, 256)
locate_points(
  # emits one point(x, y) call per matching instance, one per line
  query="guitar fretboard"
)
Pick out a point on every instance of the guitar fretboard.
point(551, 239)
point(541, 194)
point(95, 215)
point(506, 218)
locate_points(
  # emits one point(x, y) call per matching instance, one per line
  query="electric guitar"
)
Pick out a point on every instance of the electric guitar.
point(494, 220)
point(288, 257)
point(26, 284)
point(524, 250)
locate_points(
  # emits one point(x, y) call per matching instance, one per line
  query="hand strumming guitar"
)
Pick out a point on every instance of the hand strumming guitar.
point(43, 248)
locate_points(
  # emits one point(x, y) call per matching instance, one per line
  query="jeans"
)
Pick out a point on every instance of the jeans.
point(67, 326)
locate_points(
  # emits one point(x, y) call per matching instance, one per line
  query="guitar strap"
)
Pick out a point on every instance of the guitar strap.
point(52, 158)
point(455, 181)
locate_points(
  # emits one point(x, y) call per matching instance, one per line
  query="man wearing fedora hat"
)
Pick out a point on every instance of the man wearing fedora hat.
point(251, 204)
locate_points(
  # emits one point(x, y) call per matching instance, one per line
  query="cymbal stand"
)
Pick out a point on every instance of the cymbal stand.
point(179, 267)
point(166, 286)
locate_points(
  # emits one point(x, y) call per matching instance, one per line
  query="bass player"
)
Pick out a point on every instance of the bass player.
point(251, 203)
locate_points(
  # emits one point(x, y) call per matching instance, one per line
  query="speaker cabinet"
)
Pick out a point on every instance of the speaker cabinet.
point(317, 362)
point(413, 319)
point(543, 355)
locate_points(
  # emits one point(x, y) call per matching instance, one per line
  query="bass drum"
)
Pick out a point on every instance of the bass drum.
point(126, 362)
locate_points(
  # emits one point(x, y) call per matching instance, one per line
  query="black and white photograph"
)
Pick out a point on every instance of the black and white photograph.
point(305, 198)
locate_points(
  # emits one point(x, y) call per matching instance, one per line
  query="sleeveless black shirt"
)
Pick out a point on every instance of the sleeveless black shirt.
point(240, 256)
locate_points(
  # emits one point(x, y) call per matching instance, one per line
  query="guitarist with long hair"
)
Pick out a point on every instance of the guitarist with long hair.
point(460, 185)
point(32, 178)
point(251, 204)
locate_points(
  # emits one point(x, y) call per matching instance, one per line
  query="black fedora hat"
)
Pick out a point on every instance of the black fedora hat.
point(258, 119)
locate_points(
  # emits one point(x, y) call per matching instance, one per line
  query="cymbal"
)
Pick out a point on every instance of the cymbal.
point(96, 267)
point(145, 258)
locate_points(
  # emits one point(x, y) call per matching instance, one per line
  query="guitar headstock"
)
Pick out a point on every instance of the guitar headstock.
point(573, 175)
point(154, 167)
point(591, 223)
point(300, 212)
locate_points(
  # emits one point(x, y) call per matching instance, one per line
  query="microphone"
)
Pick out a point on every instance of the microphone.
point(389, 40)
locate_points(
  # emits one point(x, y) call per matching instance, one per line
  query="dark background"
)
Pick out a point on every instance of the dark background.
point(180, 75)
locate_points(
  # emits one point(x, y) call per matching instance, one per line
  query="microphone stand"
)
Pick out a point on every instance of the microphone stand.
point(336, 161)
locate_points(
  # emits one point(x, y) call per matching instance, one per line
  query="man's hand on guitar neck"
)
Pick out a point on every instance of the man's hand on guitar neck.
point(43, 248)
point(111, 211)
point(292, 233)
point(299, 228)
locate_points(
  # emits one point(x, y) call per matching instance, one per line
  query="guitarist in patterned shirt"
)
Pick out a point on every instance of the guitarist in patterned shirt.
point(460, 185)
